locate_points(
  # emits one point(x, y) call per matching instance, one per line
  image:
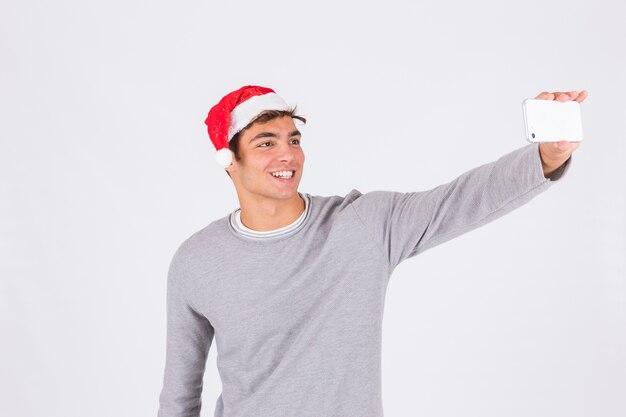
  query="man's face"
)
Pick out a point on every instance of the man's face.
point(268, 150)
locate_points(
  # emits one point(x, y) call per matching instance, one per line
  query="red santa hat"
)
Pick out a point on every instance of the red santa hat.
point(234, 112)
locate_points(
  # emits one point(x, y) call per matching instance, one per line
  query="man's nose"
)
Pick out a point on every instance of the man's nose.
point(285, 152)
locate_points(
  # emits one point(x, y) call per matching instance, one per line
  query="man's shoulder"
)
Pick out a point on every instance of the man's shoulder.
point(205, 239)
point(357, 199)
point(334, 201)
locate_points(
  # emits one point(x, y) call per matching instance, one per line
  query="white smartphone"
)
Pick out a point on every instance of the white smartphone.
point(552, 121)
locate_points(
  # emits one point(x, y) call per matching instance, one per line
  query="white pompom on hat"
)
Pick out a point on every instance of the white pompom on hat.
point(234, 112)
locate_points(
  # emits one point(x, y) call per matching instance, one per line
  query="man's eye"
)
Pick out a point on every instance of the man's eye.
point(263, 144)
point(296, 141)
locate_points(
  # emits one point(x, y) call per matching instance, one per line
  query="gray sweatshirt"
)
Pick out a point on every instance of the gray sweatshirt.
point(297, 316)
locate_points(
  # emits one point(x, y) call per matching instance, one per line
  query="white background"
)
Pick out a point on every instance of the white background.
point(105, 168)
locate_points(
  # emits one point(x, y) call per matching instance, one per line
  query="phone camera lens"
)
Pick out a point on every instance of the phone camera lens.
point(533, 135)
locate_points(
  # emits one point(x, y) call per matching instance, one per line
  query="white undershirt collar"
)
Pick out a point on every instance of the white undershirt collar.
point(235, 221)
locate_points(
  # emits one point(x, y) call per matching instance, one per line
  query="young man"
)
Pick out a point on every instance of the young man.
point(292, 286)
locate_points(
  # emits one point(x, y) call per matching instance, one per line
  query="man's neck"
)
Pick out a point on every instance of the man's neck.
point(263, 215)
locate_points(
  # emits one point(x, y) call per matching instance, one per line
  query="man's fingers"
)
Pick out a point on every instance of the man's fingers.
point(582, 96)
point(557, 95)
point(545, 96)
point(563, 95)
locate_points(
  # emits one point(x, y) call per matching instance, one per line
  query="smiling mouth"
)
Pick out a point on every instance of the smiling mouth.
point(283, 174)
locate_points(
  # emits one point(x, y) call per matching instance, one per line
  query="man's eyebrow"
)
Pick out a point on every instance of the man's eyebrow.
point(263, 135)
point(273, 135)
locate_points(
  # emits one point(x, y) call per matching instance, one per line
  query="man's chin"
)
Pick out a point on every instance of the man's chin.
point(286, 195)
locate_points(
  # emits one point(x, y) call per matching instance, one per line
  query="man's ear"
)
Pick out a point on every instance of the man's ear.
point(232, 167)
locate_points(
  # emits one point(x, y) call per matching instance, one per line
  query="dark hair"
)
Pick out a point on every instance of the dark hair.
point(263, 117)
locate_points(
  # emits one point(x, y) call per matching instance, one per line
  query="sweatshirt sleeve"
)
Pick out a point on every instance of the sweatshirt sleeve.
point(189, 337)
point(405, 224)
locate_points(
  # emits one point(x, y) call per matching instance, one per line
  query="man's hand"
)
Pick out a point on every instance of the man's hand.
point(554, 154)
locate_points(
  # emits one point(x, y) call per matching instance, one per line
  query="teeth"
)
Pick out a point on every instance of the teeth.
point(283, 174)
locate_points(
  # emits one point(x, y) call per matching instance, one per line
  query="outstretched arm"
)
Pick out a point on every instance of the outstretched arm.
point(405, 224)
